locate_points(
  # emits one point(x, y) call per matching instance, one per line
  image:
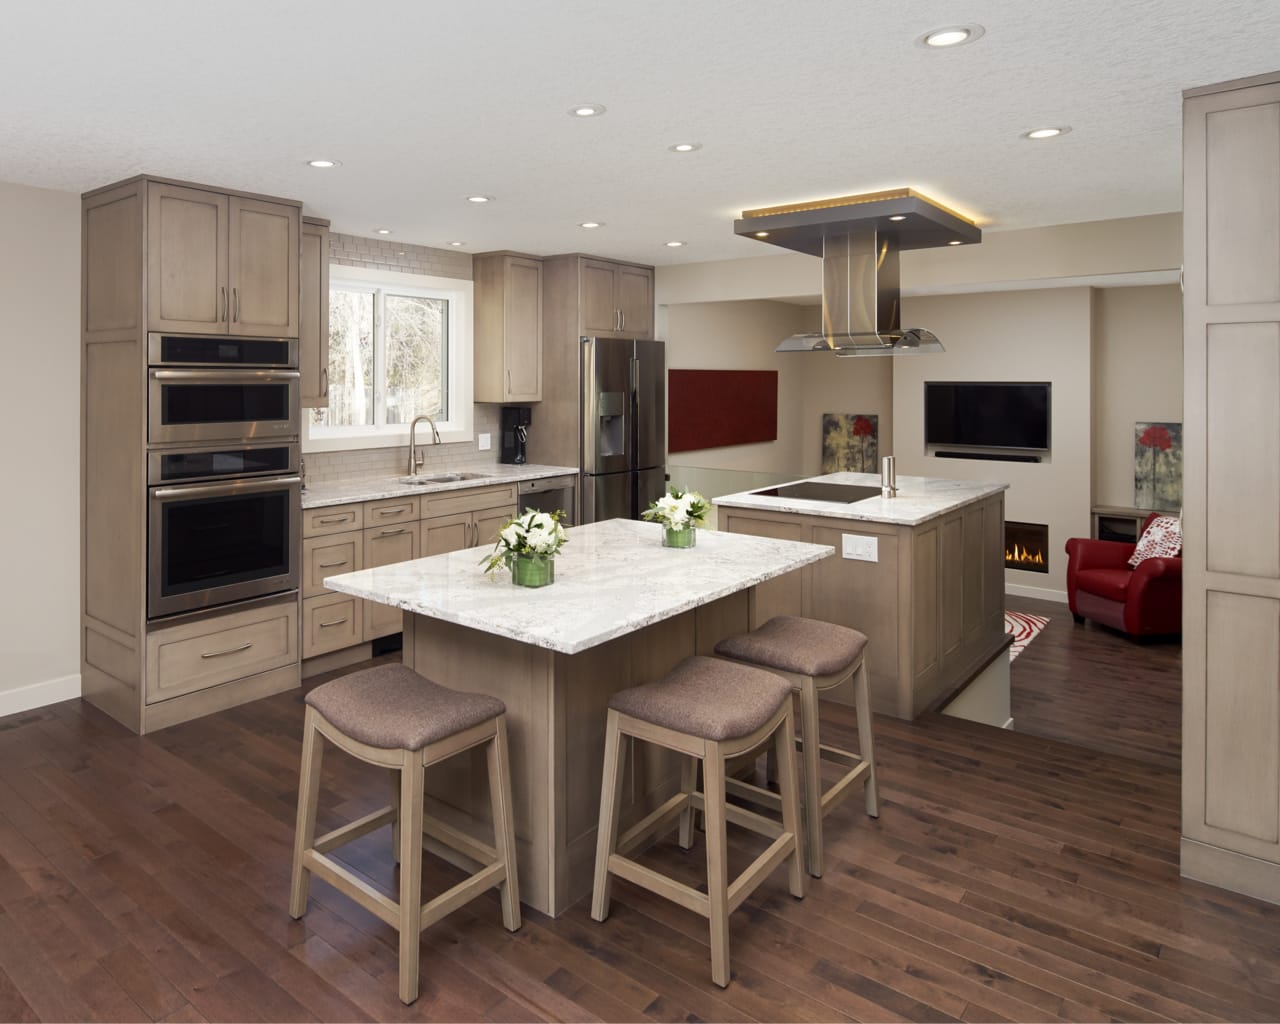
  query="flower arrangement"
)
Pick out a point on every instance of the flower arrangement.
point(526, 545)
point(679, 512)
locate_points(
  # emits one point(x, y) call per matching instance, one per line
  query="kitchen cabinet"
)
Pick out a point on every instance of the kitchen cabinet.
point(386, 545)
point(220, 263)
point(329, 556)
point(313, 314)
point(331, 623)
point(442, 534)
point(616, 299)
point(508, 328)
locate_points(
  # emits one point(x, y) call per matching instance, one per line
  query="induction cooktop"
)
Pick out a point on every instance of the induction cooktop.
point(816, 490)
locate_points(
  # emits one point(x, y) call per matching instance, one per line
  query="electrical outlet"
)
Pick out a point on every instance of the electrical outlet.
point(860, 547)
point(486, 442)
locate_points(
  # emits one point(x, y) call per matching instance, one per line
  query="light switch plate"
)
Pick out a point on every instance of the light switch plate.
point(485, 442)
point(860, 547)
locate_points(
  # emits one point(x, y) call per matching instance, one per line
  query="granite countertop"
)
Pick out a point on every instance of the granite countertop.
point(612, 578)
point(375, 488)
point(919, 499)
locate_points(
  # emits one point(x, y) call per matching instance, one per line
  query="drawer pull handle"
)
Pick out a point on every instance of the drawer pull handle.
point(335, 622)
point(335, 519)
point(393, 511)
point(332, 565)
point(392, 533)
point(229, 650)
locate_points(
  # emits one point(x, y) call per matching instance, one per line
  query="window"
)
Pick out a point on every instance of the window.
point(399, 347)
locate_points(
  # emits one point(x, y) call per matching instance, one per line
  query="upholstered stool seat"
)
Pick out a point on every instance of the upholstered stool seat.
point(393, 717)
point(815, 656)
point(711, 711)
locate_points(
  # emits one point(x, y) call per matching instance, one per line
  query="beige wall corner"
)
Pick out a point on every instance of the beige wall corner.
point(40, 422)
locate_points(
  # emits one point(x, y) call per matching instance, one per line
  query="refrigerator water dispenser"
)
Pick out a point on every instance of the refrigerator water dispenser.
point(611, 436)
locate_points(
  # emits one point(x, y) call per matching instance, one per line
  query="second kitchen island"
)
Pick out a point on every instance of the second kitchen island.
point(623, 611)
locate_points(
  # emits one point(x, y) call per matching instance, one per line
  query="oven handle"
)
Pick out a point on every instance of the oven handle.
point(227, 376)
point(216, 490)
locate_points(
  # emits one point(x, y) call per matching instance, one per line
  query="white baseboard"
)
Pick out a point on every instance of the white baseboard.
point(1039, 593)
point(37, 695)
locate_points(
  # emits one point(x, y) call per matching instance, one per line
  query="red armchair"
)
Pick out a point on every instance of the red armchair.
point(1101, 585)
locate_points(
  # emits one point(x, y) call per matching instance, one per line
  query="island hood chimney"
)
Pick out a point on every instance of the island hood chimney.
point(858, 239)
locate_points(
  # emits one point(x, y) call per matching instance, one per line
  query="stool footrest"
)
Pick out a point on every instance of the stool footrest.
point(454, 839)
point(753, 793)
point(757, 823)
point(844, 787)
point(465, 891)
point(668, 888)
point(651, 823)
point(356, 829)
point(777, 851)
point(350, 884)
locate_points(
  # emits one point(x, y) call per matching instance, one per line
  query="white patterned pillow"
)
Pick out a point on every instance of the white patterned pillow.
point(1162, 539)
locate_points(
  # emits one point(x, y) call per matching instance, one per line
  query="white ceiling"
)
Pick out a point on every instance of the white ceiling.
point(427, 102)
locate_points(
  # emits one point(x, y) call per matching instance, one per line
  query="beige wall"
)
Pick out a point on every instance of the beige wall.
point(1137, 376)
point(40, 421)
point(1044, 334)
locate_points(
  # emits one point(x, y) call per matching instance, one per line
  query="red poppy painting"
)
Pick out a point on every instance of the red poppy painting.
point(850, 442)
point(1157, 466)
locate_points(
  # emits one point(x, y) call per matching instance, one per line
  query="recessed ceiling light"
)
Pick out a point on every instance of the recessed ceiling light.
point(586, 110)
point(951, 35)
point(479, 199)
point(591, 224)
point(1046, 133)
point(954, 241)
point(456, 244)
point(685, 147)
point(762, 234)
point(382, 231)
point(674, 245)
point(324, 163)
point(899, 216)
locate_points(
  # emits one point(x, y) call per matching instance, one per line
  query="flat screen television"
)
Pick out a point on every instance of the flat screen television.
point(1003, 415)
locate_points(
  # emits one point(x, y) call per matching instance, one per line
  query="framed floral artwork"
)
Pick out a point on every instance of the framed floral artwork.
point(850, 442)
point(1157, 466)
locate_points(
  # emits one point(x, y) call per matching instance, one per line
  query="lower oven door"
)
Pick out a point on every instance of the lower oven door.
point(211, 544)
point(221, 405)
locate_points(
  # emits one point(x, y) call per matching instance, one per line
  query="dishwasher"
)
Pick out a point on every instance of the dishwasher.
point(550, 493)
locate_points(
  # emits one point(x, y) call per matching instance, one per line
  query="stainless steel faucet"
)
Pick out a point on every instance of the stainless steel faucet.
point(416, 459)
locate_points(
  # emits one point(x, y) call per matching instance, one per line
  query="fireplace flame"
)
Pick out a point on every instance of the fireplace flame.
point(1023, 555)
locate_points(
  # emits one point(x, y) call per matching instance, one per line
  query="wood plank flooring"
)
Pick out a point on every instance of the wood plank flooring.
point(1009, 877)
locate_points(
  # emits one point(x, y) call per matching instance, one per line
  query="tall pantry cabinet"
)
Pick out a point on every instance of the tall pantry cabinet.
point(1231, 432)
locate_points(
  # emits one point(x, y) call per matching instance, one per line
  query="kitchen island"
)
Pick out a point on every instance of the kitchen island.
point(922, 574)
point(623, 611)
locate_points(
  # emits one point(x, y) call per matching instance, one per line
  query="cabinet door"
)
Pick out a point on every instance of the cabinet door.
point(489, 522)
point(329, 556)
point(187, 260)
point(597, 304)
point(446, 533)
point(263, 268)
point(635, 300)
point(386, 545)
point(522, 344)
point(313, 317)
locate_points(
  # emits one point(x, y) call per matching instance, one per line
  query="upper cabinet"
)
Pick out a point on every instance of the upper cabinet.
point(508, 328)
point(313, 314)
point(616, 299)
point(220, 263)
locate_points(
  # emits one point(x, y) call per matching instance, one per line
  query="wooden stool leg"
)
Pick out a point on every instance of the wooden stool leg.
point(688, 784)
point(411, 795)
point(784, 743)
point(866, 744)
point(504, 830)
point(812, 761)
point(393, 776)
point(713, 773)
point(607, 832)
point(304, 837)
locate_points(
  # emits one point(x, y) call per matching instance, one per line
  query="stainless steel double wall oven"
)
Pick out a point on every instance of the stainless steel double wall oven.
point(224, 508)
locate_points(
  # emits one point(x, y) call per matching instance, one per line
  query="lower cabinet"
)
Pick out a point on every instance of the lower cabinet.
point(331, 623)
point(386, 545)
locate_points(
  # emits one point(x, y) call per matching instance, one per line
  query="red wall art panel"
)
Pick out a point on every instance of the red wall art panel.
point(715, 408)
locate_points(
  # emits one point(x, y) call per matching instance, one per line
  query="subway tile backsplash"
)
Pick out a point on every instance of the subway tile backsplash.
point(369, 463)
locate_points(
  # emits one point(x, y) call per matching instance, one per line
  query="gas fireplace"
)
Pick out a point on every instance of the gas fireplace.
point(1026, 546)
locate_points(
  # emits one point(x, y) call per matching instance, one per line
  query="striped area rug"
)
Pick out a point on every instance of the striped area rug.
point(1023, 628)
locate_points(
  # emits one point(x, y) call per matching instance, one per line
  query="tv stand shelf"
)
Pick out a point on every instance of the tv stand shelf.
point(1114, 522)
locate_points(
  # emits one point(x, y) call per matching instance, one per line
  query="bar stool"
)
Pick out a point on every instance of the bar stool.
point(710, 710)
point(392, 717)
point(816, 656)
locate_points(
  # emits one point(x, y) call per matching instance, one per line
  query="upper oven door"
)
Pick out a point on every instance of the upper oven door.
point(221, 350)
point(221, 405)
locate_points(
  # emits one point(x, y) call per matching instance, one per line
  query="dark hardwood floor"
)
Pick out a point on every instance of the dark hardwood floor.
point(1009, 877)
point(1096, 688)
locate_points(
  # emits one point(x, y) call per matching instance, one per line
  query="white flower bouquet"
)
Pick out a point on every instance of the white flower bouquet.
point(526, 545)
point(679, 512)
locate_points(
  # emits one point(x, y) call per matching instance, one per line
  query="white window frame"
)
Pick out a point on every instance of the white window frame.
point(459, 427)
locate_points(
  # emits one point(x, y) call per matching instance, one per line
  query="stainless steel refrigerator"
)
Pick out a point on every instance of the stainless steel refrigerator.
point(624, 427)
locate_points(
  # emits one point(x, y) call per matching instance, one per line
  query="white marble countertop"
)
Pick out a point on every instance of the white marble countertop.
point(376, 488)
point(612, 578)
point(919, 499)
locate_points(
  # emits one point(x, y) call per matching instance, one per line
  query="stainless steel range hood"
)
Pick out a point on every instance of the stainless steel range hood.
point(859, 238)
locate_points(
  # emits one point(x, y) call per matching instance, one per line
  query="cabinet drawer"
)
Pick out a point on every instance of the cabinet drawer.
point(317, 522)
point(329, 556)
point(472, 500)
point(386, 545)
point(196, 655)
point(331, 623)
point(390, 511)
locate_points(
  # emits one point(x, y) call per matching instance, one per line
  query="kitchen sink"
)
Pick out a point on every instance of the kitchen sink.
point(441, 478)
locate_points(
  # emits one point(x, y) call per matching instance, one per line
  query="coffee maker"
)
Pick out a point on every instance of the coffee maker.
point(515, 433)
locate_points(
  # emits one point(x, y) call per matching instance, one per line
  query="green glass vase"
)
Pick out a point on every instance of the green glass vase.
point(685, 538)
point(533, 570)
